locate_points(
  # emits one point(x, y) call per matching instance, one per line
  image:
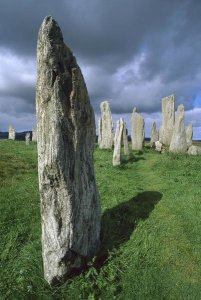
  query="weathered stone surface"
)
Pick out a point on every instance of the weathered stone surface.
point(168, 119)
point(178, 142)
point(160, 134)
point(125, 139)
point(163, 150)
point(106, 136)
point(158, 146)
point(117, 143)
point(189, 135)
point(27, 138)
point(34, 135)
point(194, 150)
point(137, 130)
point(70, 208)
point(154, 135)
point(11, 133)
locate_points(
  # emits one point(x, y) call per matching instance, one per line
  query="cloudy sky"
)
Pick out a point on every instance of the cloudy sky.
point(131, 52)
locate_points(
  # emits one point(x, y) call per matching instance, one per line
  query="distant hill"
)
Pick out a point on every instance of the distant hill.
point(20, 136)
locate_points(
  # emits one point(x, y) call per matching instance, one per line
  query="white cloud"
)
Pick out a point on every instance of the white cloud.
point(15, 70)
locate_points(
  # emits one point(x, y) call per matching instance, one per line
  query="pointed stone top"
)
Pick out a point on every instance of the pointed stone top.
point(105, 103)
point(51, 30)
point(169, 97)
point(154, 124)
point(54, 58)
point(105, 106)
point(180, 108)
point(134, 109)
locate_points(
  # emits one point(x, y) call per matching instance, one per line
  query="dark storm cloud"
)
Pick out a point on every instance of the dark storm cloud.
point(17, 84)
point(113, 30)
point(132, 52)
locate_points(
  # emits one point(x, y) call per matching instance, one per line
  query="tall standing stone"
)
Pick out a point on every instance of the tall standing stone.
point(137, 130)
point(27, 138)
point(117, 143)
point(178, 142)
point(189, 135)
point(11, 133)
point(154, 135)
point(34, 135)
point(168, 119)
point(106, 136)
point(125, 139)
point(70, 208)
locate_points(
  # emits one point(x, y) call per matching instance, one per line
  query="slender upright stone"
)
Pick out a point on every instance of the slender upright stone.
point(137, 130)
point(106, 136)
point(178, 142)
point(34, 135)
point(125, 139)
point(27, 138)
point(11, 133)
point(154, 135)
point(189, 135)
point(117, 143)
point(70, 208)
point(168, 119)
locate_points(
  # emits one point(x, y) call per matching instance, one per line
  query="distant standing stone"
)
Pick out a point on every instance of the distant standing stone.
point(70, 208)
point(158, 146)
point(178, 142)
point(168, 119)
point(106, 136)
point(154, 135)
point(189, 135)
point(137, 130)
point(34, 135)
point(27, 138)
point(117, 143)
point(194, 150)
point(11, 133)
point(125, 139)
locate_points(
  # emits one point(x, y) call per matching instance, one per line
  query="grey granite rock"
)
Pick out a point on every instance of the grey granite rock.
point(168, 119)
point(105, 136)
point(11, 133)
point(194, 150)
point(117, 143)
point(178, 142)
point(125, 139)
point(158, 146)
point(70, 208)
point(27, 138)
point(189, 135)
point(34, 135)
point(154, 135)
point(137, 130)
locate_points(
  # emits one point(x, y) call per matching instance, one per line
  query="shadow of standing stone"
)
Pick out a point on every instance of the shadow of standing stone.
point(118, 223)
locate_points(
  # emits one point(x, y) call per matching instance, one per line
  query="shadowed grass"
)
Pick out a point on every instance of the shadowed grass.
point(150, 228)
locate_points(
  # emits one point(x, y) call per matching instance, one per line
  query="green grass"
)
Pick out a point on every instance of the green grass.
point(151, 228)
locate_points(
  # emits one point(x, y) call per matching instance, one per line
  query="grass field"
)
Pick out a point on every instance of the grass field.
point(151, 228)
